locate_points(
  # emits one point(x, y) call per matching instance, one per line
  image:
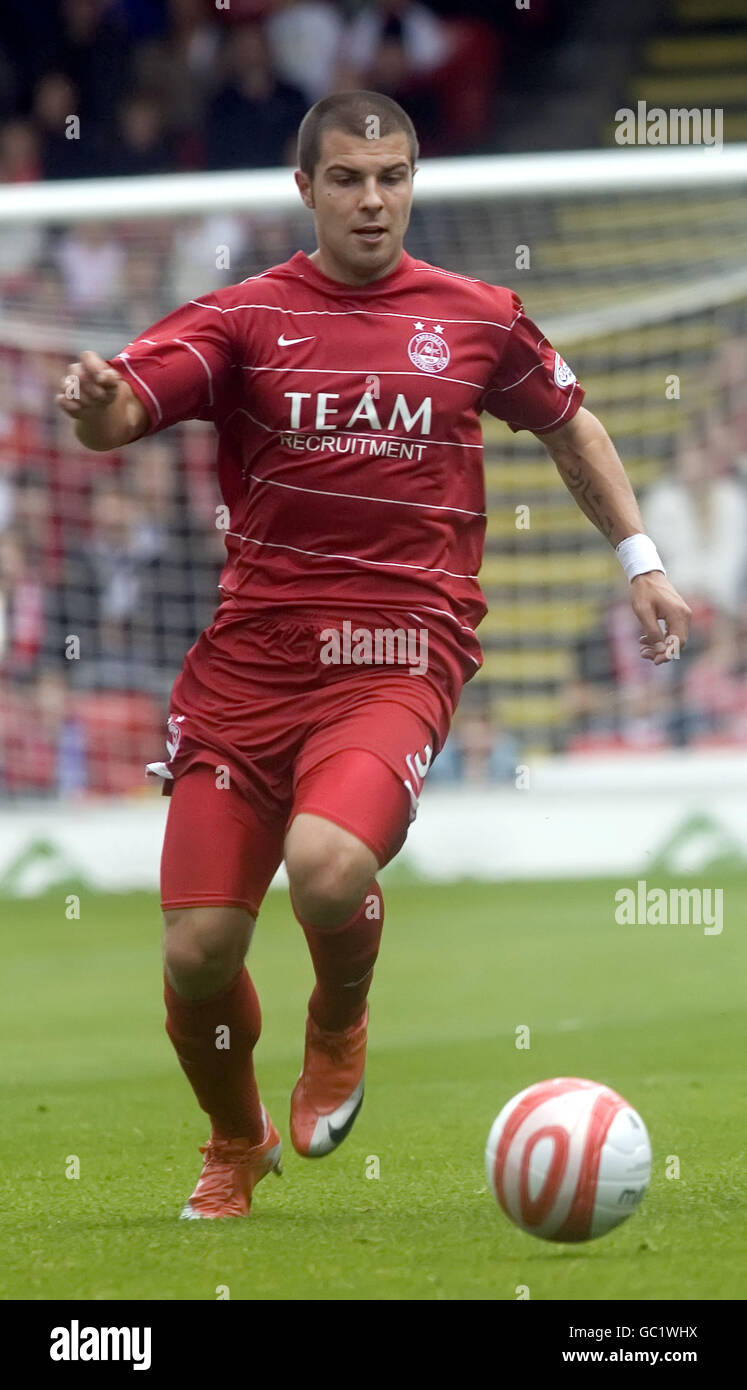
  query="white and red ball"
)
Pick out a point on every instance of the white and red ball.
point(568, 1159)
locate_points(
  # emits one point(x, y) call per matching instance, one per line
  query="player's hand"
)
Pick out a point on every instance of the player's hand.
point(88, 385)
point(656, 601)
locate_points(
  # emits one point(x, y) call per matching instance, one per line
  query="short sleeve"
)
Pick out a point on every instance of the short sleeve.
point(533, 388)
point(178, 367)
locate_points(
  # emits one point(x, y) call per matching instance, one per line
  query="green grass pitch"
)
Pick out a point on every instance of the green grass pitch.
point(87, 1070)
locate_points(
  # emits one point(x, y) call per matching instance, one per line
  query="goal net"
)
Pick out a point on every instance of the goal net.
point(634, 265)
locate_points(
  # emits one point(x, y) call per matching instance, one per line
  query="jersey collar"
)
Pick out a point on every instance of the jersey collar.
point(303, 266)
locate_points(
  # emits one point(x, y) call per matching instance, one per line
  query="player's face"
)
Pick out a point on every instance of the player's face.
point(361, 195)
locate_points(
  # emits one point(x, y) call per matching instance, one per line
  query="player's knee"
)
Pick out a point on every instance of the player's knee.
point(328, 877)
point(204, 948)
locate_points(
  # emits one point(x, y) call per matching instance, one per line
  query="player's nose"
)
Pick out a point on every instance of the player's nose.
point(371, 196)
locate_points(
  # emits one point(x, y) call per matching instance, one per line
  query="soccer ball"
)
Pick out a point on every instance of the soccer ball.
point(568, 1159)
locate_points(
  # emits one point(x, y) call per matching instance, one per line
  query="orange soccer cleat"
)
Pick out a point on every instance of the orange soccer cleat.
point(329, 1092)
point(231, 1171)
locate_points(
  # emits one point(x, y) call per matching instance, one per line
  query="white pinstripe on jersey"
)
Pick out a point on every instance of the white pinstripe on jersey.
point(361, 497)
point(353, 559)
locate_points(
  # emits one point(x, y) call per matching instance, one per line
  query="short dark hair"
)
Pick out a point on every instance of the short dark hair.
point(351, 112)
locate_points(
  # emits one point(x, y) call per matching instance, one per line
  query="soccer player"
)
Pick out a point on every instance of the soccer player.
point(346, 389)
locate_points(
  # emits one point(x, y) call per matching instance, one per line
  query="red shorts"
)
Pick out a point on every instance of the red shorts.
point(275, 731)
point(217, 850)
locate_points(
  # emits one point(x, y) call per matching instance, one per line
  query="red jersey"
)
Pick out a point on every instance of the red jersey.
point(350, 449)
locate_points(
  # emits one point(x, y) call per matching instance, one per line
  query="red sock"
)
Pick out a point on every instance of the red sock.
point(222, 1077)
point(343, 961)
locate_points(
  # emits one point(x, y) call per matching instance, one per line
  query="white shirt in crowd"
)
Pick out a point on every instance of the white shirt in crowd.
point(702, 538)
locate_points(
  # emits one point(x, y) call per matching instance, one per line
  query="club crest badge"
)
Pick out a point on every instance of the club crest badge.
point(175, 732)
point(429, 352)
point(563, 374)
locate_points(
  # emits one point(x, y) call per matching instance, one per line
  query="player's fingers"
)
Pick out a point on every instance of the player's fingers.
point(676, 621)
point(653, 643)
point(109, 380)
point(93, 364)
point(659, 652)
point(667, 649)
point(648, 618)
point(677, 616)
point(72, 391)
point(78, 384)
point(70, 405)
point(98, 381)
point(87, 385)
point(72, 376)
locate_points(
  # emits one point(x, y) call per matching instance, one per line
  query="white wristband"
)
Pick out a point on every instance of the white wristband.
point(638, 555)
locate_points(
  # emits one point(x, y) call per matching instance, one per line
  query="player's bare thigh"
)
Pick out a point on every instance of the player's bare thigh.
point(204, 947)
point(329, 870)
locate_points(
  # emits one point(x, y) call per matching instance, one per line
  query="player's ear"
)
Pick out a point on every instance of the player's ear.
point(303, 184)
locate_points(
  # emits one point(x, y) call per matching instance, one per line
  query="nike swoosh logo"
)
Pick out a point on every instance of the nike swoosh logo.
point(288, 342)
point(422, 767)
point(352, 983)
point(337, 1134)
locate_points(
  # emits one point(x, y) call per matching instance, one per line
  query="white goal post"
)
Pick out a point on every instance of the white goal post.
point(498, 177)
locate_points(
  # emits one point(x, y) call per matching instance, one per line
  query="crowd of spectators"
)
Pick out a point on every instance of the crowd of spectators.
point(697, 511)
point(121, 87)
point(108, 572)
